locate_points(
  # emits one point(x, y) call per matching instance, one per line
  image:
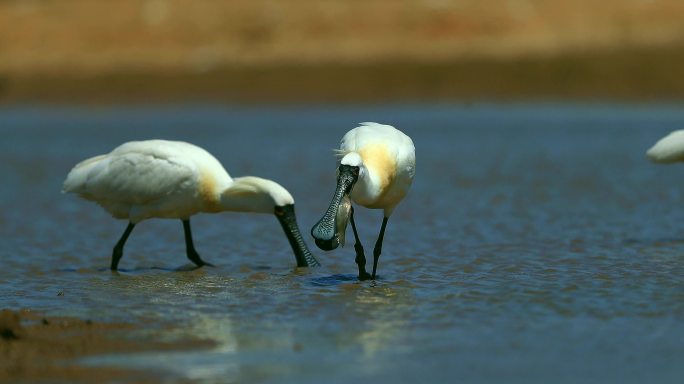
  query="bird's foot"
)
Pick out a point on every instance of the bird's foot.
point(361, 262)
point(195, 258)
point(363, 275)
point(204, 263)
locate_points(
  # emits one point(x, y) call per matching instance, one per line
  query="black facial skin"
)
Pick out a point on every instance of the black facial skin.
point(325, 231)
point(288, 220)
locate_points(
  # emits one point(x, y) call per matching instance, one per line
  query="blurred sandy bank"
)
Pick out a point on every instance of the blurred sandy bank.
point(339, 51)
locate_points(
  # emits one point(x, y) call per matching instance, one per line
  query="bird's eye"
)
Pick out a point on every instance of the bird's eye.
point(279, 211)
point(355, 171)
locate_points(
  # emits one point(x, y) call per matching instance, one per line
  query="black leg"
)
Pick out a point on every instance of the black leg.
point(378, 247)
point(118, 248)
point(360, 256)
point(190, 247)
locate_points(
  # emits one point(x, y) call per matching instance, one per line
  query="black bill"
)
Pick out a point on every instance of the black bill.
point(288, 220)
point(329, 231)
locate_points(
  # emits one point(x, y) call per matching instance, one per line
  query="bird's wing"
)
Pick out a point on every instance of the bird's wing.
point(136, 178)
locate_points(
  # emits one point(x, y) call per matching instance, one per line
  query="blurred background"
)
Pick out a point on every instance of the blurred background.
point(339, 50)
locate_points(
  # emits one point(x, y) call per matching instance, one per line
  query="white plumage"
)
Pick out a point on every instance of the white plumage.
point(387, 158)
point(669, 149)
point(376, 168)
point(172, 179)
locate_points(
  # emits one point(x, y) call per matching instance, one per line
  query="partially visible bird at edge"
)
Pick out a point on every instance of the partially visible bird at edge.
point(669, 149)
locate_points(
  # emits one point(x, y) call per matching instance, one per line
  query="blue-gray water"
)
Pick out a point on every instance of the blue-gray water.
point(536, 245)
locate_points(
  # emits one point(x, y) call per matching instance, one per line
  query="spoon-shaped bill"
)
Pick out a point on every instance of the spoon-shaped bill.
point(327, 231)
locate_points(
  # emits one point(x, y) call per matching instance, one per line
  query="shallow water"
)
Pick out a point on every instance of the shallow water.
point(536, 245)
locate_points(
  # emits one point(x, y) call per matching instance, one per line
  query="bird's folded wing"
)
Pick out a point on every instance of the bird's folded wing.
point(136, 178)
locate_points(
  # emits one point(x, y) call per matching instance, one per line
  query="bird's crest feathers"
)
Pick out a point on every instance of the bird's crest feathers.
point(340, 153)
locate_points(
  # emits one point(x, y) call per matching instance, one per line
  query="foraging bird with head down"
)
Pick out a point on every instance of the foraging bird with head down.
point(376, 169)
point(141, 180)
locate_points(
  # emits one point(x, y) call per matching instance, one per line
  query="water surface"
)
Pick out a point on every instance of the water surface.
point(536, 245)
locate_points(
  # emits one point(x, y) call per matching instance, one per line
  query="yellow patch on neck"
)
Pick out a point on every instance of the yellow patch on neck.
point(208, 193)
point(380, 163)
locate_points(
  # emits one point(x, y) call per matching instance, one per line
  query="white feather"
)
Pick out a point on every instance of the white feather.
point(370, 190)
point(669, 149)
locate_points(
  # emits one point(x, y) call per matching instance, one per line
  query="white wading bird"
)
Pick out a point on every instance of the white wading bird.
point(171, 179)
point(669, 149)
point(376, 168)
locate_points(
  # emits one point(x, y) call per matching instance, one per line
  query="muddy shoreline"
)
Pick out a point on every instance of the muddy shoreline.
point(36, 347)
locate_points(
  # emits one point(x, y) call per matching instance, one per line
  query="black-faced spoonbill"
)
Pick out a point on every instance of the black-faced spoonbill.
point(376, 168)
point(669, 149)
point(172, 179)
